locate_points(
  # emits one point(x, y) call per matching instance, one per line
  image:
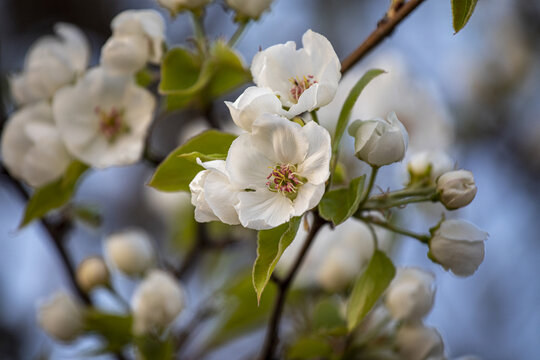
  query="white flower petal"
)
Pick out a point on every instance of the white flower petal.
point(308, 197)
point(246, 165)
point(253, 102)
point(316, 166)
point(203, 212)
point(263, 209)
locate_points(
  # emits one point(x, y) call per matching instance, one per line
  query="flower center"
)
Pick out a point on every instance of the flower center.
point(300, 85)
point(285, 180)
point(111, 123)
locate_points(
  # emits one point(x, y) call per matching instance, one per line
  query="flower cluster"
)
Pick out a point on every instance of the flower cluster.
point(97, 116)
point(277, 169)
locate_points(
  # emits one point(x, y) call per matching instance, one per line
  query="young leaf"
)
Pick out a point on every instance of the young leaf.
point(369, 287)
point(270, 246)
point(310, 347)
point(180, 72)
point(152, 347)
point(53, 195)
point(175, 172)
point(115, 329)
point(339, 205)
point(461, 13)
point(345, 113)
point(193, 156)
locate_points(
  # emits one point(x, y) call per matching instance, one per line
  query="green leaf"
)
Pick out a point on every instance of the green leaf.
point(144, 77)
point(229, 70)
point(311, 347)
point(53, 195)
point(270, 246)
point(369, 287)
point(154, 348)
point(180, 72)
point(339, 205)
point(175, 173)
point(115, 329)
point(345, 113)
point(327, 315)
point(461, 13)
point(192, 156)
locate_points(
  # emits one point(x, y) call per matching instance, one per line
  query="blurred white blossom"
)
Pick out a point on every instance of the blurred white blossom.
point(430, 164)
point(249, 8)
point(51, 62)
point(32, 149)
point(157, 301)
point(92, 273)
point(304, 79)
point(415, 341)
point(103, 118)
point(380, 141)
point(458, 245)
point(61, 316)
point(175, 6)
point(130, 251)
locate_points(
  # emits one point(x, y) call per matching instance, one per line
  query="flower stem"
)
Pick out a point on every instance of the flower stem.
point(198, 30)
point(314, 116)
point(374, 171)
point(396, 229)
point(283, 288)
point(238, 33)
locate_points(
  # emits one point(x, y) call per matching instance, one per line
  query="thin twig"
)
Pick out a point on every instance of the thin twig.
point(385, 27)
point(283, 288)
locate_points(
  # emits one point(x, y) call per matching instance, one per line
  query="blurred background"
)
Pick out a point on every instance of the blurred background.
point(475, 94)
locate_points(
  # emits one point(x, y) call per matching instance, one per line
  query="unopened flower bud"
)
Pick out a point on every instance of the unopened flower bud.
point(92, 273)
point(61, 317)
point(249, 8)
point(131, 251)
point(429, 165)
point(380, 141)
point(410, 295)
point(458, 245)
point(176, 6)
point(457, 188)
point(125, 54)
point(156, 302)
point(418, 342)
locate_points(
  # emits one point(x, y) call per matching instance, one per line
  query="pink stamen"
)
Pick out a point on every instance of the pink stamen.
point(284, 179)
point(111, 124)
point(300, 85)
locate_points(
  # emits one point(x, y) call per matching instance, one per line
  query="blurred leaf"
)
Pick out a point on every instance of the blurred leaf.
point(175, 173)
point(192, 156)
point(369, 287)
point(152, 348)
point(242, 313)
point(327, 316)
point(89, 215)
point(461, 13)
point(180, 72)
point(229, 71)
point(270, 246)
point(339, 205)
point(53, 195)
point(312, 347)
point(144, 77)
point(177, 102)
point(345, 113)
point(115, 329)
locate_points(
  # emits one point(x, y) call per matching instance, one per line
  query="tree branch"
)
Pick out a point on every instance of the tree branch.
point(283, 288)
point(385, 27)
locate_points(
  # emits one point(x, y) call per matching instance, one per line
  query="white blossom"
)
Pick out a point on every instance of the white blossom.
point(125, 54)
point(130, 251)
point(410, 295)
point(176, 6)
point(213, 194)
point(304, 79)
point(457, 188)
point(380, 141)
point(51, 62)
point(431, 164)
point(249, 8)
point(92, 273)
point(32, 148)
point(418, 342)
point(253, 102)
point(282, 168)
point(157, 301)
point(458, 245)
point(103, 118)
point(145, 24)
point(61, 317)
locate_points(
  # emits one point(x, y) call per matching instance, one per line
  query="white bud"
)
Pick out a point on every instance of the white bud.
point(430, 164)
point(457, 188)
point(339, 267)
point(156, 302)
point(379, 142)
point(411, 294)
point(175, 6)
point(418, 342)
point(131, 251)
point(61, 317)
point(125, 54)
point(458, 245)
point(249, 8)
point(92, 273)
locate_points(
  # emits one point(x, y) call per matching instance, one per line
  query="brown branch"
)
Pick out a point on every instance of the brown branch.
point(385, 27)
point(283, 288)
